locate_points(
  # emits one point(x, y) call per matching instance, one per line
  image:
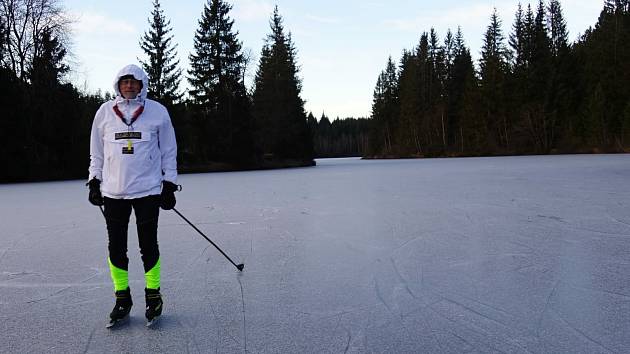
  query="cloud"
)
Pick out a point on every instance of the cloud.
point(91, 23)
point(252, 10)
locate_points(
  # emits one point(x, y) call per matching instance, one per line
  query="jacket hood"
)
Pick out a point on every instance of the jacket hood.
point(138, 74)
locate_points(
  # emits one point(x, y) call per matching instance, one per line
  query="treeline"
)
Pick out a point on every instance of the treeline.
point(220, 124)
point(532, 92)
point(340, 138)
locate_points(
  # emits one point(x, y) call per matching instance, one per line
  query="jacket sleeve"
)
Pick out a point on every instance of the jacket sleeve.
point(168, 149)
point(96, 148)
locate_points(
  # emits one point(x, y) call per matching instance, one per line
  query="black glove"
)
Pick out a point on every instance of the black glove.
point(95, 197)
point(167, 198)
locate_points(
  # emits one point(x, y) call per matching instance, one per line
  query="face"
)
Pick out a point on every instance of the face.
point(129, 88)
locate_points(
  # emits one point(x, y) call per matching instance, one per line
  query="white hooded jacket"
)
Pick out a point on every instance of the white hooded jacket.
point(131, 159)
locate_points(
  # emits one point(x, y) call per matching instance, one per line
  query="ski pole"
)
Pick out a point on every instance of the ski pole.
point(238, 266)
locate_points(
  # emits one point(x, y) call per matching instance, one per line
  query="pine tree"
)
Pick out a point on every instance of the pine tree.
point(385, 108)
point(493, 69)
point(48, 67)
point(311, 121)
point(529, 24)
point(278, 108)
point(218, 93)
point(438, 73)
point(424, 81)
point(467, 130)
point(217, 61)
point(324, 128)
point(562, 73)
point(162, 65)
point(378, 142)
point(541, 123)
point(449, 51)
point(408, 139)
point(517, 83)
point(518, 41)
point(541, 54)
point(557, 29)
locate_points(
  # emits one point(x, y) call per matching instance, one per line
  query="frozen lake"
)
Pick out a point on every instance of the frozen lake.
point(475, 255)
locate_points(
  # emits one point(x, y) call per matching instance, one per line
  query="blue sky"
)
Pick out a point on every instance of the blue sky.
point(342, 45)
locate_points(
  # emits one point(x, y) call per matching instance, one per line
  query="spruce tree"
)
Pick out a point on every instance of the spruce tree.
point(541, 54)
point(278, 108)
point(385, 108)
point(493, 69)
point(557, 29)
point(529, 24)
point(516, 83)
point(518, 40)
point(218, 93)
point(162, 65)
point(462, 90)
point(437, 72)
point(562, 74)
point(48, 66)
point(408, 138)
point(449, 51)
point(425, 71)
point(324, 128)
point(541, 123)
point(217, 61)
point(377, 142)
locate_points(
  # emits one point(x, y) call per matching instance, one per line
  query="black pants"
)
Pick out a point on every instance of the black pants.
point(117, 213)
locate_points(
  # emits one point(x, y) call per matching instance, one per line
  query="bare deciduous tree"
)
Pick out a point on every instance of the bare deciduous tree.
point(25, 22)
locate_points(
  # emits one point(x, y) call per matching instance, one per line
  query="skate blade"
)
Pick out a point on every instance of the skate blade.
point(115, 323)
point(153, 322)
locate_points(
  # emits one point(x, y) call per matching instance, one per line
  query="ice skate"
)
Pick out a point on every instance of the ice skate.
point(154, 305)
point(121, 310)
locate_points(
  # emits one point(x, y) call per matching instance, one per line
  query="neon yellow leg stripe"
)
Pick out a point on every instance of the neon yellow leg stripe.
point(152, 277)
point(120, 277)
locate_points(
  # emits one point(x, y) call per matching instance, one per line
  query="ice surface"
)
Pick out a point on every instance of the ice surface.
point(474, 255)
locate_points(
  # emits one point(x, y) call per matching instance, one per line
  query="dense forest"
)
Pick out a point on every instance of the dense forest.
point(531, 92)
point(340, 138)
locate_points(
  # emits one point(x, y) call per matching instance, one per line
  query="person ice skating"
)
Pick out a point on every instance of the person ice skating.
point(133, 166)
